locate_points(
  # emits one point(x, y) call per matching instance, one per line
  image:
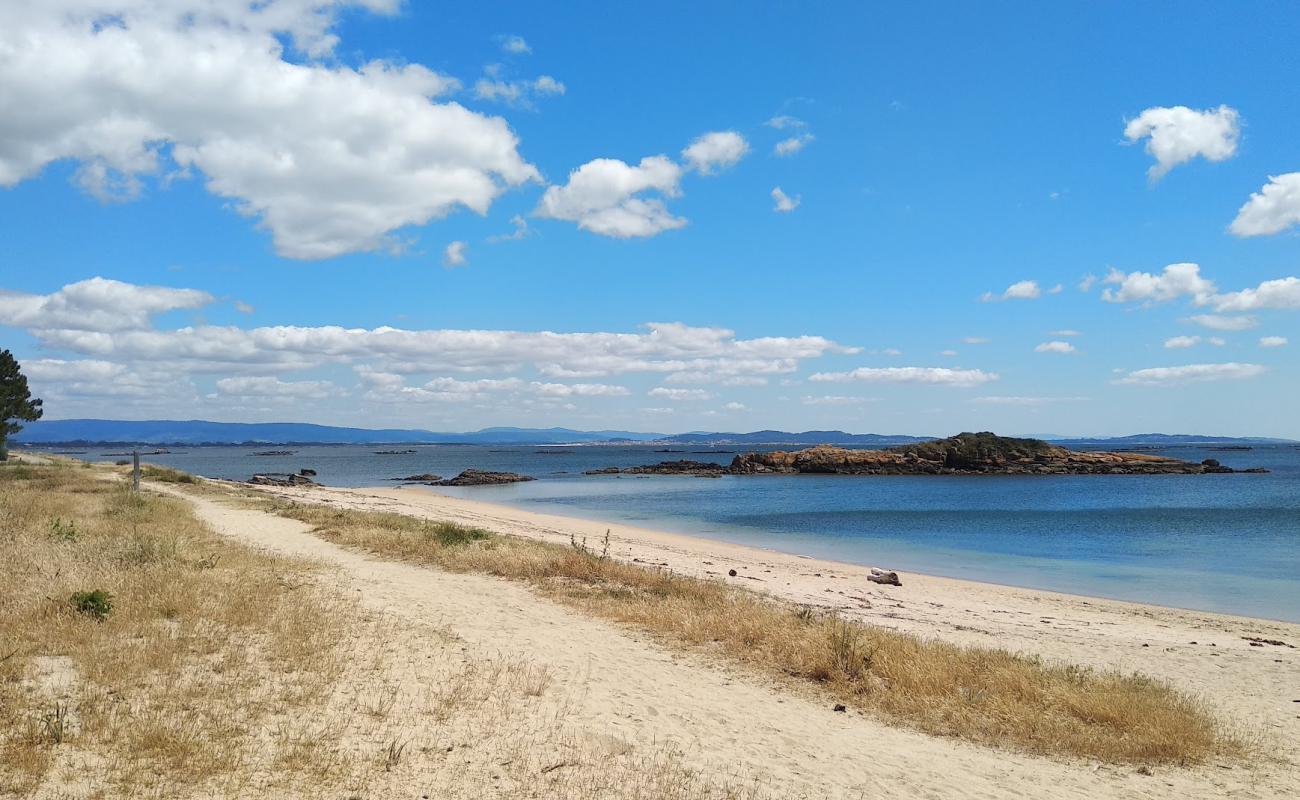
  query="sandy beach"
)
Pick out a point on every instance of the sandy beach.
point(738, 719)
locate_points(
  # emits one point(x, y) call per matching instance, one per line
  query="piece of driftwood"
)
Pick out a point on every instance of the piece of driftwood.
point(884, 576)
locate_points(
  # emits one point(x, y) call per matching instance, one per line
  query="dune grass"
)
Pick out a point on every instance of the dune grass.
point(142, 655)
point(981, 695)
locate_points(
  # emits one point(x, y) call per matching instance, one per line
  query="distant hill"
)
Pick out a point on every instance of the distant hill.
point(784, 437)
point(194, 432)
point(1169, 440)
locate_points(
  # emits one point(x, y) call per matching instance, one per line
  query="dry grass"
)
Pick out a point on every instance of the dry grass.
point(215, 671)
point(982, 695)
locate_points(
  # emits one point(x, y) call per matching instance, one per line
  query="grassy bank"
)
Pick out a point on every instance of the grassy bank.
point(980, 695)
point(142, 655)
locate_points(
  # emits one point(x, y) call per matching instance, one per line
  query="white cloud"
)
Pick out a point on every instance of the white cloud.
point(1273, 341)
point(515, 45)
point(1216, 322)
point(1180, 342)
point(578, 389)
point(733, 406)
point(1177, 280)
point(1272, 209)
point(1020, 290)
point(835, 400)
point(601, 197)
point(715, 151)
point(274, 387)
point(785, 121)
point(975, 340)
point(1054, 347)
point(924, 375)
point(96, 304)
point(454, 255)
point(788, 147)
point(517, 93)
point(1086, 284)
point(1064, 333)
point(784, 205)
point(680, 394)
point(329, 158)
point(1057, 289)
point(892, 352)
point(948, 353)
point(1192, 373)
point(520, 231)
point(1283, 293)
point(1178, 134)
point(244, 308)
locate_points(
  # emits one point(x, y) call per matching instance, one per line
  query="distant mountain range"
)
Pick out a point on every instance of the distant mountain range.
point(197, 432)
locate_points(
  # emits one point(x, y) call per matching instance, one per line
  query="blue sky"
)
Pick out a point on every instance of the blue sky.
point(264, 190)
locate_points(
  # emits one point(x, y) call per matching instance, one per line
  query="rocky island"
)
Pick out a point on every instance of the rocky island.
point(968, 454)
point(698, 469)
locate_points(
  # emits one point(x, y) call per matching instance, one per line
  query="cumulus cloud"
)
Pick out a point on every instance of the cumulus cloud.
point(1177, 280)
point(784, 204)
point(1272, 209)
point(1273, 341)
point(603, 196)
point(520, 231)
point(925, 375)
point(1217, 322)
point(264, 386)
point(835, 400)
point(1020, 290)
point(328, 158)
point(1183, 342)
point(1054, 347)
point(784, 121)
point(517, 93)
point(680, 394)
point(1192, 373)
point(1087, 282)
point(1178, 134)
point(454, 255)
point(715, 151)
point(244, 308)
point(1283, 293)
point(733, 406)
point(79, 321)
point(97, 304)
point(515, 45)
point(792, 145)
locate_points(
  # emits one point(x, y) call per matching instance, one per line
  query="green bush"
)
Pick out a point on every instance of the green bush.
point(97, 604)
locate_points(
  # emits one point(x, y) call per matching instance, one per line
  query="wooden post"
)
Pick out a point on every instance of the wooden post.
point(135, 470)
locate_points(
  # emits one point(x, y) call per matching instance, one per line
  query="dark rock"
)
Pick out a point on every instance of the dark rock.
point(840, 708)
point(731, 572)
point(310, 473)
point(966, 454)
point(281, 479)
point(395, 452)
point(275, 453)
point(478, 477)
point(603, 471)
point(697, 469)
point(424, 477)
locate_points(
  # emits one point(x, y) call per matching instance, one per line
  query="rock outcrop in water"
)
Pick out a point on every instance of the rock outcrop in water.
point(967, 454)
point(478, 477)
point(281, 479)
point(698, 469)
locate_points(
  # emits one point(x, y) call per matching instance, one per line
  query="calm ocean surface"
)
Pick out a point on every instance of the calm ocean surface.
point(1228, 543)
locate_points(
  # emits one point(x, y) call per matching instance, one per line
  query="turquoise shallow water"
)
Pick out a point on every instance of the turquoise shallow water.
point(1227, 543)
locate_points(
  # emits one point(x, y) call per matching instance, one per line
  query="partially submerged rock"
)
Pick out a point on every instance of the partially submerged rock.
point(281, 479)
point(478, 477)
point(699, 469)
point(424, 477)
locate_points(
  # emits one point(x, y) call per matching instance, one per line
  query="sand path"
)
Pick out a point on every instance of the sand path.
point(726, 722)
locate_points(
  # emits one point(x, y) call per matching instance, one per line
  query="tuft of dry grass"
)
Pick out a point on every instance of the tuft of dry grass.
point(225, 672)
point(982, 695)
